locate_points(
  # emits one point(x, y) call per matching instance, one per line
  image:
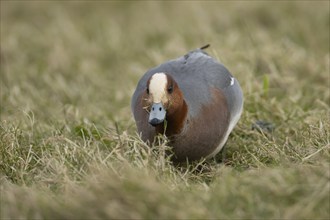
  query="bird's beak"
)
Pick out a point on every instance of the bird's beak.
point(157, 114)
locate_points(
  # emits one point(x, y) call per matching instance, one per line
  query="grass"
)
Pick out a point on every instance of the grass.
point(68, 143)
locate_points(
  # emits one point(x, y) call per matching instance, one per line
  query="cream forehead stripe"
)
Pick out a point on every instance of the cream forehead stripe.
point(157, 86)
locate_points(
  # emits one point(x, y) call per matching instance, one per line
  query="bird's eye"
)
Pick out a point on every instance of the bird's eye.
point(147, 91)
point(170, 89)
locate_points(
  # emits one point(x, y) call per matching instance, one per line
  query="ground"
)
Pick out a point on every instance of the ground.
point(68, 142)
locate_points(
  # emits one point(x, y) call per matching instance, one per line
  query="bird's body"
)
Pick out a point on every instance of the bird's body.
point(212, 103)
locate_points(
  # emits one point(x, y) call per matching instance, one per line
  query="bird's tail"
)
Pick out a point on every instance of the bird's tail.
point(205, 46)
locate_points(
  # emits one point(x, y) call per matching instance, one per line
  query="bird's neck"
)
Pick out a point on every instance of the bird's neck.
point(174, 122)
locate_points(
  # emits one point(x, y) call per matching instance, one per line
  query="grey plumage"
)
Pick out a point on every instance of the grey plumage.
point(195, 73)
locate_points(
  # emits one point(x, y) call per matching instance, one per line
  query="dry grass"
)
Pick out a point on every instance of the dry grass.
point(68, 147)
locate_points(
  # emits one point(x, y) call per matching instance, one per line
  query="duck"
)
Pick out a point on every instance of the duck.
point(193, 100)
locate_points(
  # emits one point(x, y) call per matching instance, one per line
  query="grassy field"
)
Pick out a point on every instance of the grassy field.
point(68, 142)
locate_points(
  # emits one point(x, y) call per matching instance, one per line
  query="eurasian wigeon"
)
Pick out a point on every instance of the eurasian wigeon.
point(194, 100)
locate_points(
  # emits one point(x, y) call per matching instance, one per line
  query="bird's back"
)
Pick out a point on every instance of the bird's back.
point(195, 73)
